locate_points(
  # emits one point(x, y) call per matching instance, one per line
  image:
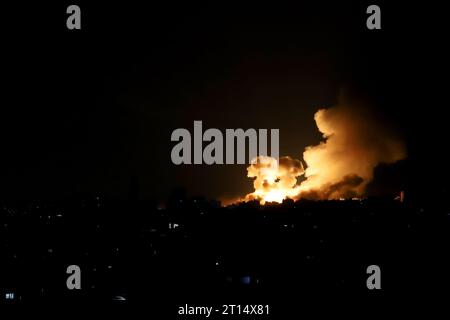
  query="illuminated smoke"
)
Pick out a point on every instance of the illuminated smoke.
point(341, 166)
point(274, 182)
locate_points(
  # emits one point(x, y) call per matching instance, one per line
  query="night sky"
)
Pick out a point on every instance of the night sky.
point(91, 110)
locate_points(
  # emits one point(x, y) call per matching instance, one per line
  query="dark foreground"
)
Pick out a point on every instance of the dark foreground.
point(196, 253)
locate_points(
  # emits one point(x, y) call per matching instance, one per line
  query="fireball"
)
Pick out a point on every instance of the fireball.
point(339, 167)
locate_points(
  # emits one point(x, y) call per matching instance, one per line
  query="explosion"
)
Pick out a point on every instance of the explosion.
point(274, 180)
point(339, 167)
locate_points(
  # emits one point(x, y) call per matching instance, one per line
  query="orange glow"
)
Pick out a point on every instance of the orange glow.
point(340, 167)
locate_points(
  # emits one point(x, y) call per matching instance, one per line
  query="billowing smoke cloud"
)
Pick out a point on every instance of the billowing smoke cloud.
point(341, 166)
point(356, 141)
point(274, 182)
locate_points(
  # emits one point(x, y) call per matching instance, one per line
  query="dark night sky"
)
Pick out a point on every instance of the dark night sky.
point(86, 110)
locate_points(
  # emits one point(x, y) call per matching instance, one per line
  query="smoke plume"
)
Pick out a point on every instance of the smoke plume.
point(341, 166)
point(274, 182)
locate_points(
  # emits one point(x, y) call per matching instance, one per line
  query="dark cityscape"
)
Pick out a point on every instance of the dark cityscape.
point(136, 251)
point(224, 161)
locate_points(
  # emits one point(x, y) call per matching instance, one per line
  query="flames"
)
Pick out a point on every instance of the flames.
point(341, 166)
point(274, 180)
